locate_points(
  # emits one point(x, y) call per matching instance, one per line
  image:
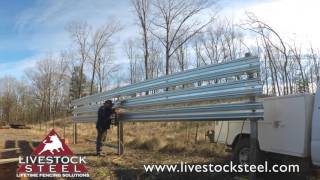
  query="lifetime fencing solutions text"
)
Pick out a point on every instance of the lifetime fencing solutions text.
point(231, 167)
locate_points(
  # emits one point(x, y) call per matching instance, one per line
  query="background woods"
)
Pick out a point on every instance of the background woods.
point(174, 35)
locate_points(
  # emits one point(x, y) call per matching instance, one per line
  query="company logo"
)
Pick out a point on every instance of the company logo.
point(52, 158)
point(53, 144)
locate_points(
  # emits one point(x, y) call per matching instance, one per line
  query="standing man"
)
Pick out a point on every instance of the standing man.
point(103, 124)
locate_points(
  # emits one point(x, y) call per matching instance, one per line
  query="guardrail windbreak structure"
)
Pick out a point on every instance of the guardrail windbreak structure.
point(229, 90)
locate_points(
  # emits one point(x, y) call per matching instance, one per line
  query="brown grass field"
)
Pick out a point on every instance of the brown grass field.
point(145, 143)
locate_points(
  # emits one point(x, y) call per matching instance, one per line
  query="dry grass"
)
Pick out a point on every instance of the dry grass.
point(161, 137)
point(145, 143)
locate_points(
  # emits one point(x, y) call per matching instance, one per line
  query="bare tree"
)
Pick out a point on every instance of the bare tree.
point(155, 60)
point(101, 40)
point(297, 57)
point(316, 63)
point(49, 83)
point(80, 32)
point(8, 98)
point(142, 9)
point(106, 68)
point(262, 28)
point(220, 42)
point(181, 57)
point(131, 52)
point(175, 22)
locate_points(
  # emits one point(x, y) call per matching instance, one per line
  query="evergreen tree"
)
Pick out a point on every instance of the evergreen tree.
point(75, 84)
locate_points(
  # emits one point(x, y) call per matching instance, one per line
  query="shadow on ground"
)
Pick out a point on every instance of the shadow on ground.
point(8, 170)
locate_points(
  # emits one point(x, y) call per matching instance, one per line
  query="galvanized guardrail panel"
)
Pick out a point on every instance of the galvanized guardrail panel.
point(234, 89)
point(211, 92)
point(204, 116)
point(232, 111)
point(85, 109)
point(203, 108)
point(216, 116)
point(210, 72)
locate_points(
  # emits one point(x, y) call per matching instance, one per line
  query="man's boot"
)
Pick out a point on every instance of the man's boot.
point(101, 154)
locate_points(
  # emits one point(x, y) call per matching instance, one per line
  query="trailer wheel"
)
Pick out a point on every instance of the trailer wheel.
point(241, 152)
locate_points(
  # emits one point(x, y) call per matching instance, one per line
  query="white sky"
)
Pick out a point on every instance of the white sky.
point(291, 18)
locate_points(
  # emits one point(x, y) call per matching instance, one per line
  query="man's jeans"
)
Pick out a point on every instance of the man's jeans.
point(101, 137)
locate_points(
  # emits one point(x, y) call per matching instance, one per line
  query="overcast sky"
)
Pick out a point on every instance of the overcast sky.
point(29, 29)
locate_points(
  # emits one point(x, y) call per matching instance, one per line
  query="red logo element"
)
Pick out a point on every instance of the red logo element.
point(52, 156)
point(52, 145)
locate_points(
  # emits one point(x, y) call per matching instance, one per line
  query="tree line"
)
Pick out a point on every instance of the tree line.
point(174, 35)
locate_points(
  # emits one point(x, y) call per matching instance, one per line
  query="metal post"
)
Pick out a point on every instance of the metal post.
point(74, 133)
point(64, 125)
point(64, 128)
point(120, 138)
point(253, 145)
point(253, 132)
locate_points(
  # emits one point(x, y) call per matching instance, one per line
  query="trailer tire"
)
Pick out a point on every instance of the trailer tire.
point(241, 152)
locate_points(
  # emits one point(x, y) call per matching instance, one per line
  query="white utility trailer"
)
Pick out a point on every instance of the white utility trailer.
point(291, 126)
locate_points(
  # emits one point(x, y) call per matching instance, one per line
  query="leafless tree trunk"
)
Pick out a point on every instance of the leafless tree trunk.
point(132, 55)
point(50, 82)
point(175, 22)
point(260, 27)
point(80, 32)
point(142, 9)
point(101, 40)
point(297, 57)
point(316, 64)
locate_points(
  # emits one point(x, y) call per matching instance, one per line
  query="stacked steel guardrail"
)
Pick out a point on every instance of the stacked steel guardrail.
point(221, 83)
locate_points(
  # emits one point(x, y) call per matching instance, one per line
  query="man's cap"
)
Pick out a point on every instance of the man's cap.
point(108, 102)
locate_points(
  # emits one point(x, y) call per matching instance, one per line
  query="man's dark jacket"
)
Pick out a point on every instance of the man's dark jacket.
point(104, 119)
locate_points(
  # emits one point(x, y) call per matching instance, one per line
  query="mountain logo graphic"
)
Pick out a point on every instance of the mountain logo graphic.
point(52, 156)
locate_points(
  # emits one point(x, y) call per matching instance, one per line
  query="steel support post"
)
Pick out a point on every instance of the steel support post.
point(253, 133)
point(74, 133)
point(120, 138)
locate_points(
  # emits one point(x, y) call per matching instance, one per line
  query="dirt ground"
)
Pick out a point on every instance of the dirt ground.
point(137, 153)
